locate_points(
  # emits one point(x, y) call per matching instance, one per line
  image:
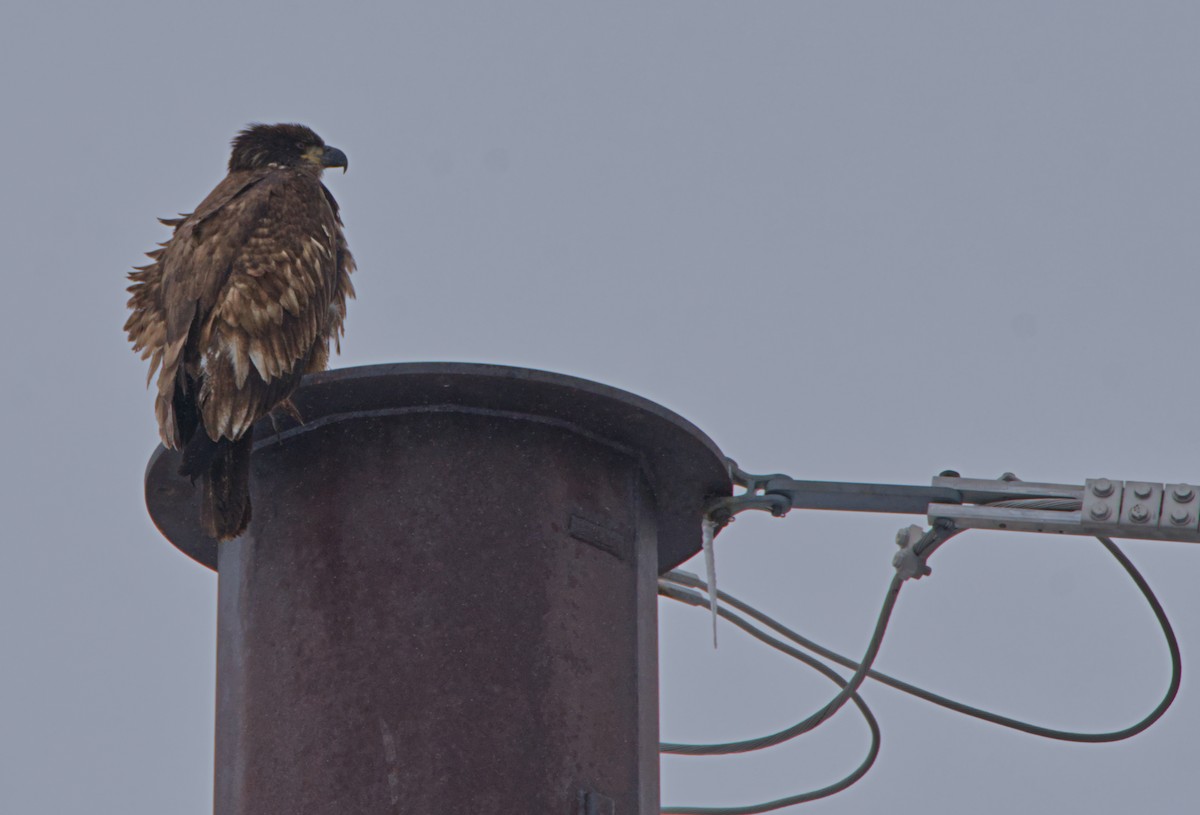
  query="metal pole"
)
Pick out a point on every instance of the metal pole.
point(446, 600)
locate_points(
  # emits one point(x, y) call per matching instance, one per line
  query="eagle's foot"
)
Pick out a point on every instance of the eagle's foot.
point(286, 406)
point(289, 407)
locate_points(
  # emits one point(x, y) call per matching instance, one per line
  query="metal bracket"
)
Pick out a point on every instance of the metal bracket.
point(1102, 506)
point(1118, 509)
point(722, 510)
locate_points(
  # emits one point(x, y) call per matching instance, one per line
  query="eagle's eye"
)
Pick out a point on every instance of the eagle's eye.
point(311, 152)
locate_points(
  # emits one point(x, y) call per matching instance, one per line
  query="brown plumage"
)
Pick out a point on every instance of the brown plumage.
point(239, 304)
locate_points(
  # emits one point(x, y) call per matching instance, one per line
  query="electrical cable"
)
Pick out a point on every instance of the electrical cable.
point(1004, 721)
point(817, 718)
point(680, 592)
point(1057, 504)
point(849, 690)
point(686, 596)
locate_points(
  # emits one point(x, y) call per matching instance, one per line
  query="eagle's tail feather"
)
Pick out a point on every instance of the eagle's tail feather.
point(225, 507)
point(198, 454)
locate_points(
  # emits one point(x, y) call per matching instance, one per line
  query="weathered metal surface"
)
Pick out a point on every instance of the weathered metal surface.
point(682, 465)
point(446, 600)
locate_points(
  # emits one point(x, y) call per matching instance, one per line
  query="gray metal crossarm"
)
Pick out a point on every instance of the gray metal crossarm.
point(779, 494)
point(1118, 509)
point(854, 497)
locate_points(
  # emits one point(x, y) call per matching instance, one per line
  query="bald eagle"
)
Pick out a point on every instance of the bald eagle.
point(238, 305)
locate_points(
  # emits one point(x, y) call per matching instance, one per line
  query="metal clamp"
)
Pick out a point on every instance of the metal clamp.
point(721, 510)
point(1102, 506)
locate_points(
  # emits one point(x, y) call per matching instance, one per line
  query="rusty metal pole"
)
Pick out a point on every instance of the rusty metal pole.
point(446, 600)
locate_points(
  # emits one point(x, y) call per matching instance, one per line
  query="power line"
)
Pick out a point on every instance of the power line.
point(684, 587)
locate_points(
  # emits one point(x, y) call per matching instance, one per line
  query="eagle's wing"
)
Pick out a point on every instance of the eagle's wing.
point(241, 302)
point(154, 326)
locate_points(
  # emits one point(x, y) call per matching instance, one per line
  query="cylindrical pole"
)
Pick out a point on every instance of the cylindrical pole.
point(446, 600)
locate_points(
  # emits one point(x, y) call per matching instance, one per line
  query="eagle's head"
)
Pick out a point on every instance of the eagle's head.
point(261, 146)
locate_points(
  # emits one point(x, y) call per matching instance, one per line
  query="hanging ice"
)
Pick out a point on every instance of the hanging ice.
point(707, 531)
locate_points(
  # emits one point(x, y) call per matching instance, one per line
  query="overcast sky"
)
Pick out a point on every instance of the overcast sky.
point(859, 241)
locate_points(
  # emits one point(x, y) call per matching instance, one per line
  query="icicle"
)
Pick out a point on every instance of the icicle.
point(707, 530)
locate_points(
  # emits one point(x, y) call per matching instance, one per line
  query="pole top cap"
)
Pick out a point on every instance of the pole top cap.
point(682, 465)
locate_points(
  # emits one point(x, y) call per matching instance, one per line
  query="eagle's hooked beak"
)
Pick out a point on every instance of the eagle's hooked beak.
point(333, 157)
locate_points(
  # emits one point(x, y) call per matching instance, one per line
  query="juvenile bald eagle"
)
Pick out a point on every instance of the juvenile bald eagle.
point(239, 304)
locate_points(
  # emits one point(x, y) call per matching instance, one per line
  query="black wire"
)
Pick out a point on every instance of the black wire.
point(1004, 721)
point(822, 715)
point(812, 662)
point(863, 669)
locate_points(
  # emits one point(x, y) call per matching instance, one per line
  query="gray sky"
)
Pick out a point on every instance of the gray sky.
point(861, 241)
